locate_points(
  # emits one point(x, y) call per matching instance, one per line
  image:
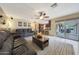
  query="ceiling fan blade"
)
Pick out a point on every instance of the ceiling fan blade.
point(46, 16)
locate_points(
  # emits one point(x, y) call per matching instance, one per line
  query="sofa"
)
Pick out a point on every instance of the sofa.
point(14, 45)
point(5, 43)
point(24, 32)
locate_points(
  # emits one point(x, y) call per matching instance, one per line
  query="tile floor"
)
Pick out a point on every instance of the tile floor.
point(54, 41)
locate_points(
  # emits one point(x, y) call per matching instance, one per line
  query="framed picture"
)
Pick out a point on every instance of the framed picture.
point(29, 24)
point(25, 24)
point(19, 23)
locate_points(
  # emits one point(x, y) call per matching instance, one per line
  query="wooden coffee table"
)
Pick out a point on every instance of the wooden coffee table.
point(42, 43)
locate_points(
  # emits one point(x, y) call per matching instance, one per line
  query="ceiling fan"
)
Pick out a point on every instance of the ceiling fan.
point(41, 15)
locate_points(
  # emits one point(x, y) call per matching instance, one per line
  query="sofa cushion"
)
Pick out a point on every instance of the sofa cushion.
point(7, 46)
point(4, 34)
point(3, 37)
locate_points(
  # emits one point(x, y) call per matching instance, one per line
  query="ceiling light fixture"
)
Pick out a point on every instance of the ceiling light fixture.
point(41, 17)
point(54, 5)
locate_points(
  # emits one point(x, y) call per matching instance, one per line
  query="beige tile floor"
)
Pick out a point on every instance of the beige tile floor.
point(57, 46)
point(74, 43)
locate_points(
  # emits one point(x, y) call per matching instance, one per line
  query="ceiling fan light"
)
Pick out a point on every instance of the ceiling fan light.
point(41, 17)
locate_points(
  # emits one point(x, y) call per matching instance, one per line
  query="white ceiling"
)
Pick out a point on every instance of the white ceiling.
point(61, 9)
point(17, 10)
point(28, 10)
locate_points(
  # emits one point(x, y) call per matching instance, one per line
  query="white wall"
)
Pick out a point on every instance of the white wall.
point(13, 23)
point(2, 26)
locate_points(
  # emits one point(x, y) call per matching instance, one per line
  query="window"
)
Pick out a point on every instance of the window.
point(29, 24)
point(25, 23)
point(19, 23)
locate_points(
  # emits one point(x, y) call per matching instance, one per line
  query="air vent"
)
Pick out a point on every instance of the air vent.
point(53, 5)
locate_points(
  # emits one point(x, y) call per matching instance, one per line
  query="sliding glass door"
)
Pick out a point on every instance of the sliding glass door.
point(68, 29)
point(60, 30)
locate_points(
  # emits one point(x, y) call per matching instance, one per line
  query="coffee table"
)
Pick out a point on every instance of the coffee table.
point(42, 43)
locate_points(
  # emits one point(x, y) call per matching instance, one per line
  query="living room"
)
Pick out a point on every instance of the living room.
point(39, 29)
